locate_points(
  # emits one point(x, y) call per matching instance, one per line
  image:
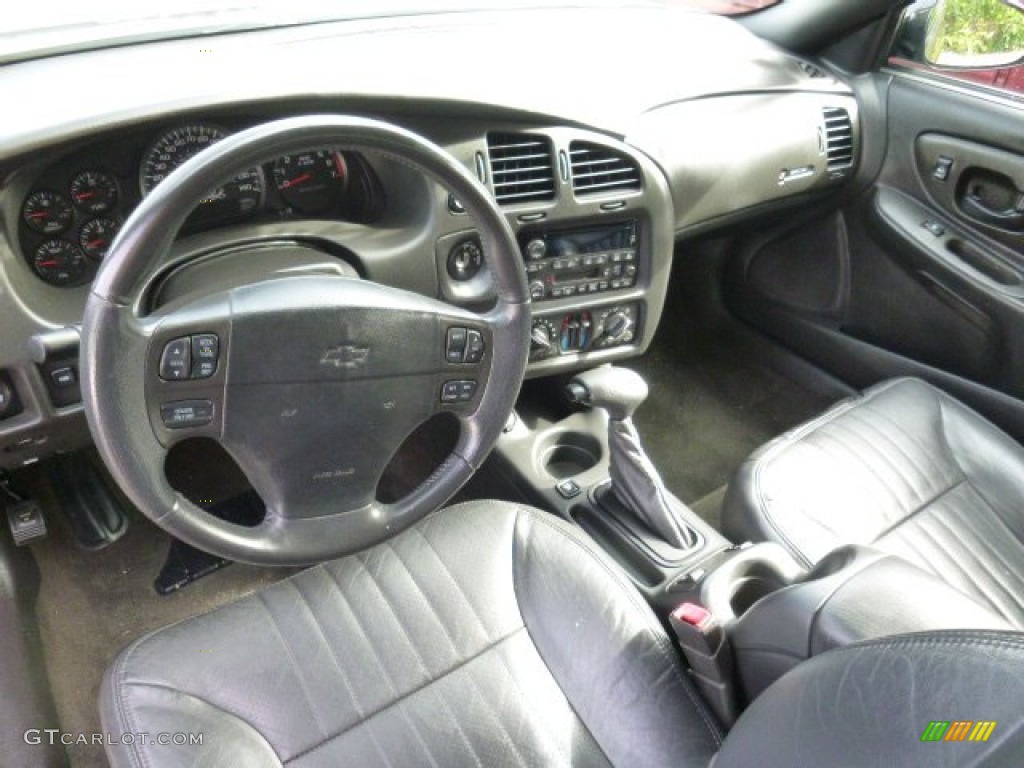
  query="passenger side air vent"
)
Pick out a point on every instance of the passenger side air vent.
point(838, 139)
point(601, 169)
point(522, 167)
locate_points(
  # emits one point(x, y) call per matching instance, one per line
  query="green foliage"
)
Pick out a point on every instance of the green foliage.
point(977, 27)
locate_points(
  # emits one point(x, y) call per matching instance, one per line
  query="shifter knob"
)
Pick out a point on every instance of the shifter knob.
point(619, 391)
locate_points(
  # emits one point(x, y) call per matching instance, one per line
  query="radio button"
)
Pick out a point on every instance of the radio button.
point(536, 249)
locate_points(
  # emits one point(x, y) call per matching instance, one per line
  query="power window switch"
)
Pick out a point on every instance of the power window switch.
point(943, 167)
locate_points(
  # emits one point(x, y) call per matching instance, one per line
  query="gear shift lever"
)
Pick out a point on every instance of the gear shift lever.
point(635, 481)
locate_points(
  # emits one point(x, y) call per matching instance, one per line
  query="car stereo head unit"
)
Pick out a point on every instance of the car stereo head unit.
point(581, 261)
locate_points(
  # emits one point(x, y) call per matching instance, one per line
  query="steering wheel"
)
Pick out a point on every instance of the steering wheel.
point(310, 383)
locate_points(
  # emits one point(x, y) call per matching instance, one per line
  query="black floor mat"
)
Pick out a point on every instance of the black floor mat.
point(712, 402)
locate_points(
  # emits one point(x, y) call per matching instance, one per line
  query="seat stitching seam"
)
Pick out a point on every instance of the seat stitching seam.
point(402, 697)
point(426, 600)
point(419, 659)
point(924, 507)
point(294, 662)
point(985, 593)
point(455, 582)
point(330, 648)
point(1000, 587)
point(362, 632)
point(925, 448)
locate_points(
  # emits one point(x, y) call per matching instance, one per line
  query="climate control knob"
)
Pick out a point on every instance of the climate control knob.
point(618, 328)
point(542, 339)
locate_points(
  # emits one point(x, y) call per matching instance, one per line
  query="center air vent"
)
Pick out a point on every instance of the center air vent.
point(596, 168)
point(838, 139)
point(522, 167)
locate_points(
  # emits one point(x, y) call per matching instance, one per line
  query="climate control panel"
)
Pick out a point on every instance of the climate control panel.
point(583, 330)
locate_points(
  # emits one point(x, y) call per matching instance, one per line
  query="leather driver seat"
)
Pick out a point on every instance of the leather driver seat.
point(495, 635)
point(906, 469)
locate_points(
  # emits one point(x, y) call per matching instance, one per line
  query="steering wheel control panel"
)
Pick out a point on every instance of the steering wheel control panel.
point(584, 330)
point(580, 262)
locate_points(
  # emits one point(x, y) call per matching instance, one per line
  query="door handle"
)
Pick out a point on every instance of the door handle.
point(992, 198)
point(1009, 218)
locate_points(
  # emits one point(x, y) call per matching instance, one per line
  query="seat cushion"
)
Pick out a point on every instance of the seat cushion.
point(903, 467)
point(489, 634)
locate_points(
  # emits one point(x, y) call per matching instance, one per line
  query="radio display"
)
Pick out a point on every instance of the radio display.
point(573, 243)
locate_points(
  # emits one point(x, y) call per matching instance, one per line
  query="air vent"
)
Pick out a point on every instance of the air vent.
point(522, 167)
point(838, 139)
point(600, 169)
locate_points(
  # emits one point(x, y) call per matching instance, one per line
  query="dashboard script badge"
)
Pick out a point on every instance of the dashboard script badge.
point(346, 356)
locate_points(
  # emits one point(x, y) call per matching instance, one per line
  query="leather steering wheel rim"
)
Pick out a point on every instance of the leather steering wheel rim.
point(122, 406)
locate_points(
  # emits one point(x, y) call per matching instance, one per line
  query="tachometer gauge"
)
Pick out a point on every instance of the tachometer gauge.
point(47, 212)
point(59, 262)
point(93, 192)
point(95, 237)
point(311, 182)
point(238, 197)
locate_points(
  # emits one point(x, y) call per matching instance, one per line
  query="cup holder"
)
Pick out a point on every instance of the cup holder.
point(566, 454)
point(749, 575)
point(751, 587)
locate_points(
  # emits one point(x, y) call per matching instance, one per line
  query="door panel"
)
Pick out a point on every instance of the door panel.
point(922, 270)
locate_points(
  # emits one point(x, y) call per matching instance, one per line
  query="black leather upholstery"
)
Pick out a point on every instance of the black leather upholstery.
point(907, 469)
point(869, 705)
point(490, 634)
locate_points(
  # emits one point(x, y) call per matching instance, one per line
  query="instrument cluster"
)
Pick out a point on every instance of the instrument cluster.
point(73, 211)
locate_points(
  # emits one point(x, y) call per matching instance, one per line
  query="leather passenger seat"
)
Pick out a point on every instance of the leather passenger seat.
point(902, 467)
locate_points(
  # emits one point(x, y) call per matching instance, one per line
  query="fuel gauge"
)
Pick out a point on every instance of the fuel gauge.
point(96, 235)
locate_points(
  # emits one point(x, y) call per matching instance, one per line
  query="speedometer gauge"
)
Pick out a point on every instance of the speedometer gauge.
point(238, 197)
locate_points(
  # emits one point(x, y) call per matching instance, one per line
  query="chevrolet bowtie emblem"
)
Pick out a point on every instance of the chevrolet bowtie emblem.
point(346, 356)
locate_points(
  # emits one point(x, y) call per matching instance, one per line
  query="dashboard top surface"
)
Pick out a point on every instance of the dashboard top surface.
point(600, 67)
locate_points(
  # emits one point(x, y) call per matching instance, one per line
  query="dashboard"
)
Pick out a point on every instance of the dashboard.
point(597, 176)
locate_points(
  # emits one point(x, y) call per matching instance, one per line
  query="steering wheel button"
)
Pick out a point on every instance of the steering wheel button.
point(474, 347)
point(205, 346)
point(176, 360)
point(466, 391)
point(186, 414)
point(455, 349)
point(450, 391)
point(204, 369)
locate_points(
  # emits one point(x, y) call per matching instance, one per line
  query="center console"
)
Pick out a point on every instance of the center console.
point(744, 614)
